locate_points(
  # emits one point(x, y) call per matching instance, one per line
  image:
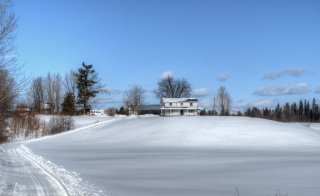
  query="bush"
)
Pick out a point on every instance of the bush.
point(59, 124)
point(111, 111)
point(3, 130)
point(24, 125)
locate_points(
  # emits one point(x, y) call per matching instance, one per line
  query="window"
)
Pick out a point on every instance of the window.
point(170, 104)
point(191, 104)
point(181, 104)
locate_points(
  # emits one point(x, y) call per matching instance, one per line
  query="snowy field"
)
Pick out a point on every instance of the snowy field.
point(81, 121)
point(168, 156)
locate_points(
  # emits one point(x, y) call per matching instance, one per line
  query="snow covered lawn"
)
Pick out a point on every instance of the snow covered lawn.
point(183, 156)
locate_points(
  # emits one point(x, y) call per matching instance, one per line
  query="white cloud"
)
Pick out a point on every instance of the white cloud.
point(222, 78)
point(297, 89)
point(166, 74)
point(200, 92)
point(288, 72)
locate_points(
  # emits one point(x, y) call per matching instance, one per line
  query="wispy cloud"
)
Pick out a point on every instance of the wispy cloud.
point(222, 78)
point(242, 105)
point(108, 90)
point(297, 89)
point(200, 92)
point(288, 72)
point(262, 103)
point(166, 74)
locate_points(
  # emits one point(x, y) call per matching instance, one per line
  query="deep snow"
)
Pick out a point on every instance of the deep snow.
point(190, 156)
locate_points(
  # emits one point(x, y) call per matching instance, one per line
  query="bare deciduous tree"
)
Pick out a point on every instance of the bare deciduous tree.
point(57, 92)
point(134, 99)
point(224, 101)
point(173, 88)
point(8, 86)
point(53, 92)
point(8, 24)
point(37, 94)
point(49, 92)
point(70, 83)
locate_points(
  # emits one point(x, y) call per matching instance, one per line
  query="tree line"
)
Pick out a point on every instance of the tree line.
point(79, 87)
point(302, 111)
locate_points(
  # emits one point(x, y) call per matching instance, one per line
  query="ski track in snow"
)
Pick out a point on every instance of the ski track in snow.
point(25, 173)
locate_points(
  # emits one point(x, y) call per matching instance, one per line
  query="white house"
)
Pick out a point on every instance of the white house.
point(179, 106)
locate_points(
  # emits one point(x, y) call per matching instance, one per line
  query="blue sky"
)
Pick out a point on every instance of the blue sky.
point(264, 52)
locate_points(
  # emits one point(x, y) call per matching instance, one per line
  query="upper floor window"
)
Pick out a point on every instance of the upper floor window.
point(170, 104)
point(181, 104)
point(191, 104)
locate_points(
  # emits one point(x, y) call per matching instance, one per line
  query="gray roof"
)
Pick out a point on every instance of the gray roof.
point(167, 100)
point(150, 107)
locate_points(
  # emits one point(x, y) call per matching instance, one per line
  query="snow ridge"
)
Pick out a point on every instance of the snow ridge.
point(68, 183)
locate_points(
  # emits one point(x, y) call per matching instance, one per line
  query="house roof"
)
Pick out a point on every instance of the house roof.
point(179, 99)
point(150, 107)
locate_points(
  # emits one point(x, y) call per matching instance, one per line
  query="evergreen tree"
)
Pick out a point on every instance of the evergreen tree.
point(203, 112)
point(266, 113)
point(255, 112)
point(313, 110)
point(316, 113)
point(69, 105)
point(300, 110)
point(294, 111)
point(239, 113)
point(306, 110)
point(248, 112)
point(122, 111)
point(277, 113)
point(86, 84)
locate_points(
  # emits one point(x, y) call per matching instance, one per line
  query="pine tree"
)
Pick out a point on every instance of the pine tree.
point(266, 113)
point(86, 84)
point(300, 110)
point(294, 111)
point(277, 113)
point(316, 113)
point(306, 111)
point(69, 105)
point(313, 110)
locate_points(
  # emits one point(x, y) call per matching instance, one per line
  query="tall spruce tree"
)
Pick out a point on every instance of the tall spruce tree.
point(87, 85)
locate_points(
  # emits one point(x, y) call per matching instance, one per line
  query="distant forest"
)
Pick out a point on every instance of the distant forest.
point(303, 111)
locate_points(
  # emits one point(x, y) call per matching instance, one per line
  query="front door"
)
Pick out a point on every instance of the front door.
point(181, 112)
